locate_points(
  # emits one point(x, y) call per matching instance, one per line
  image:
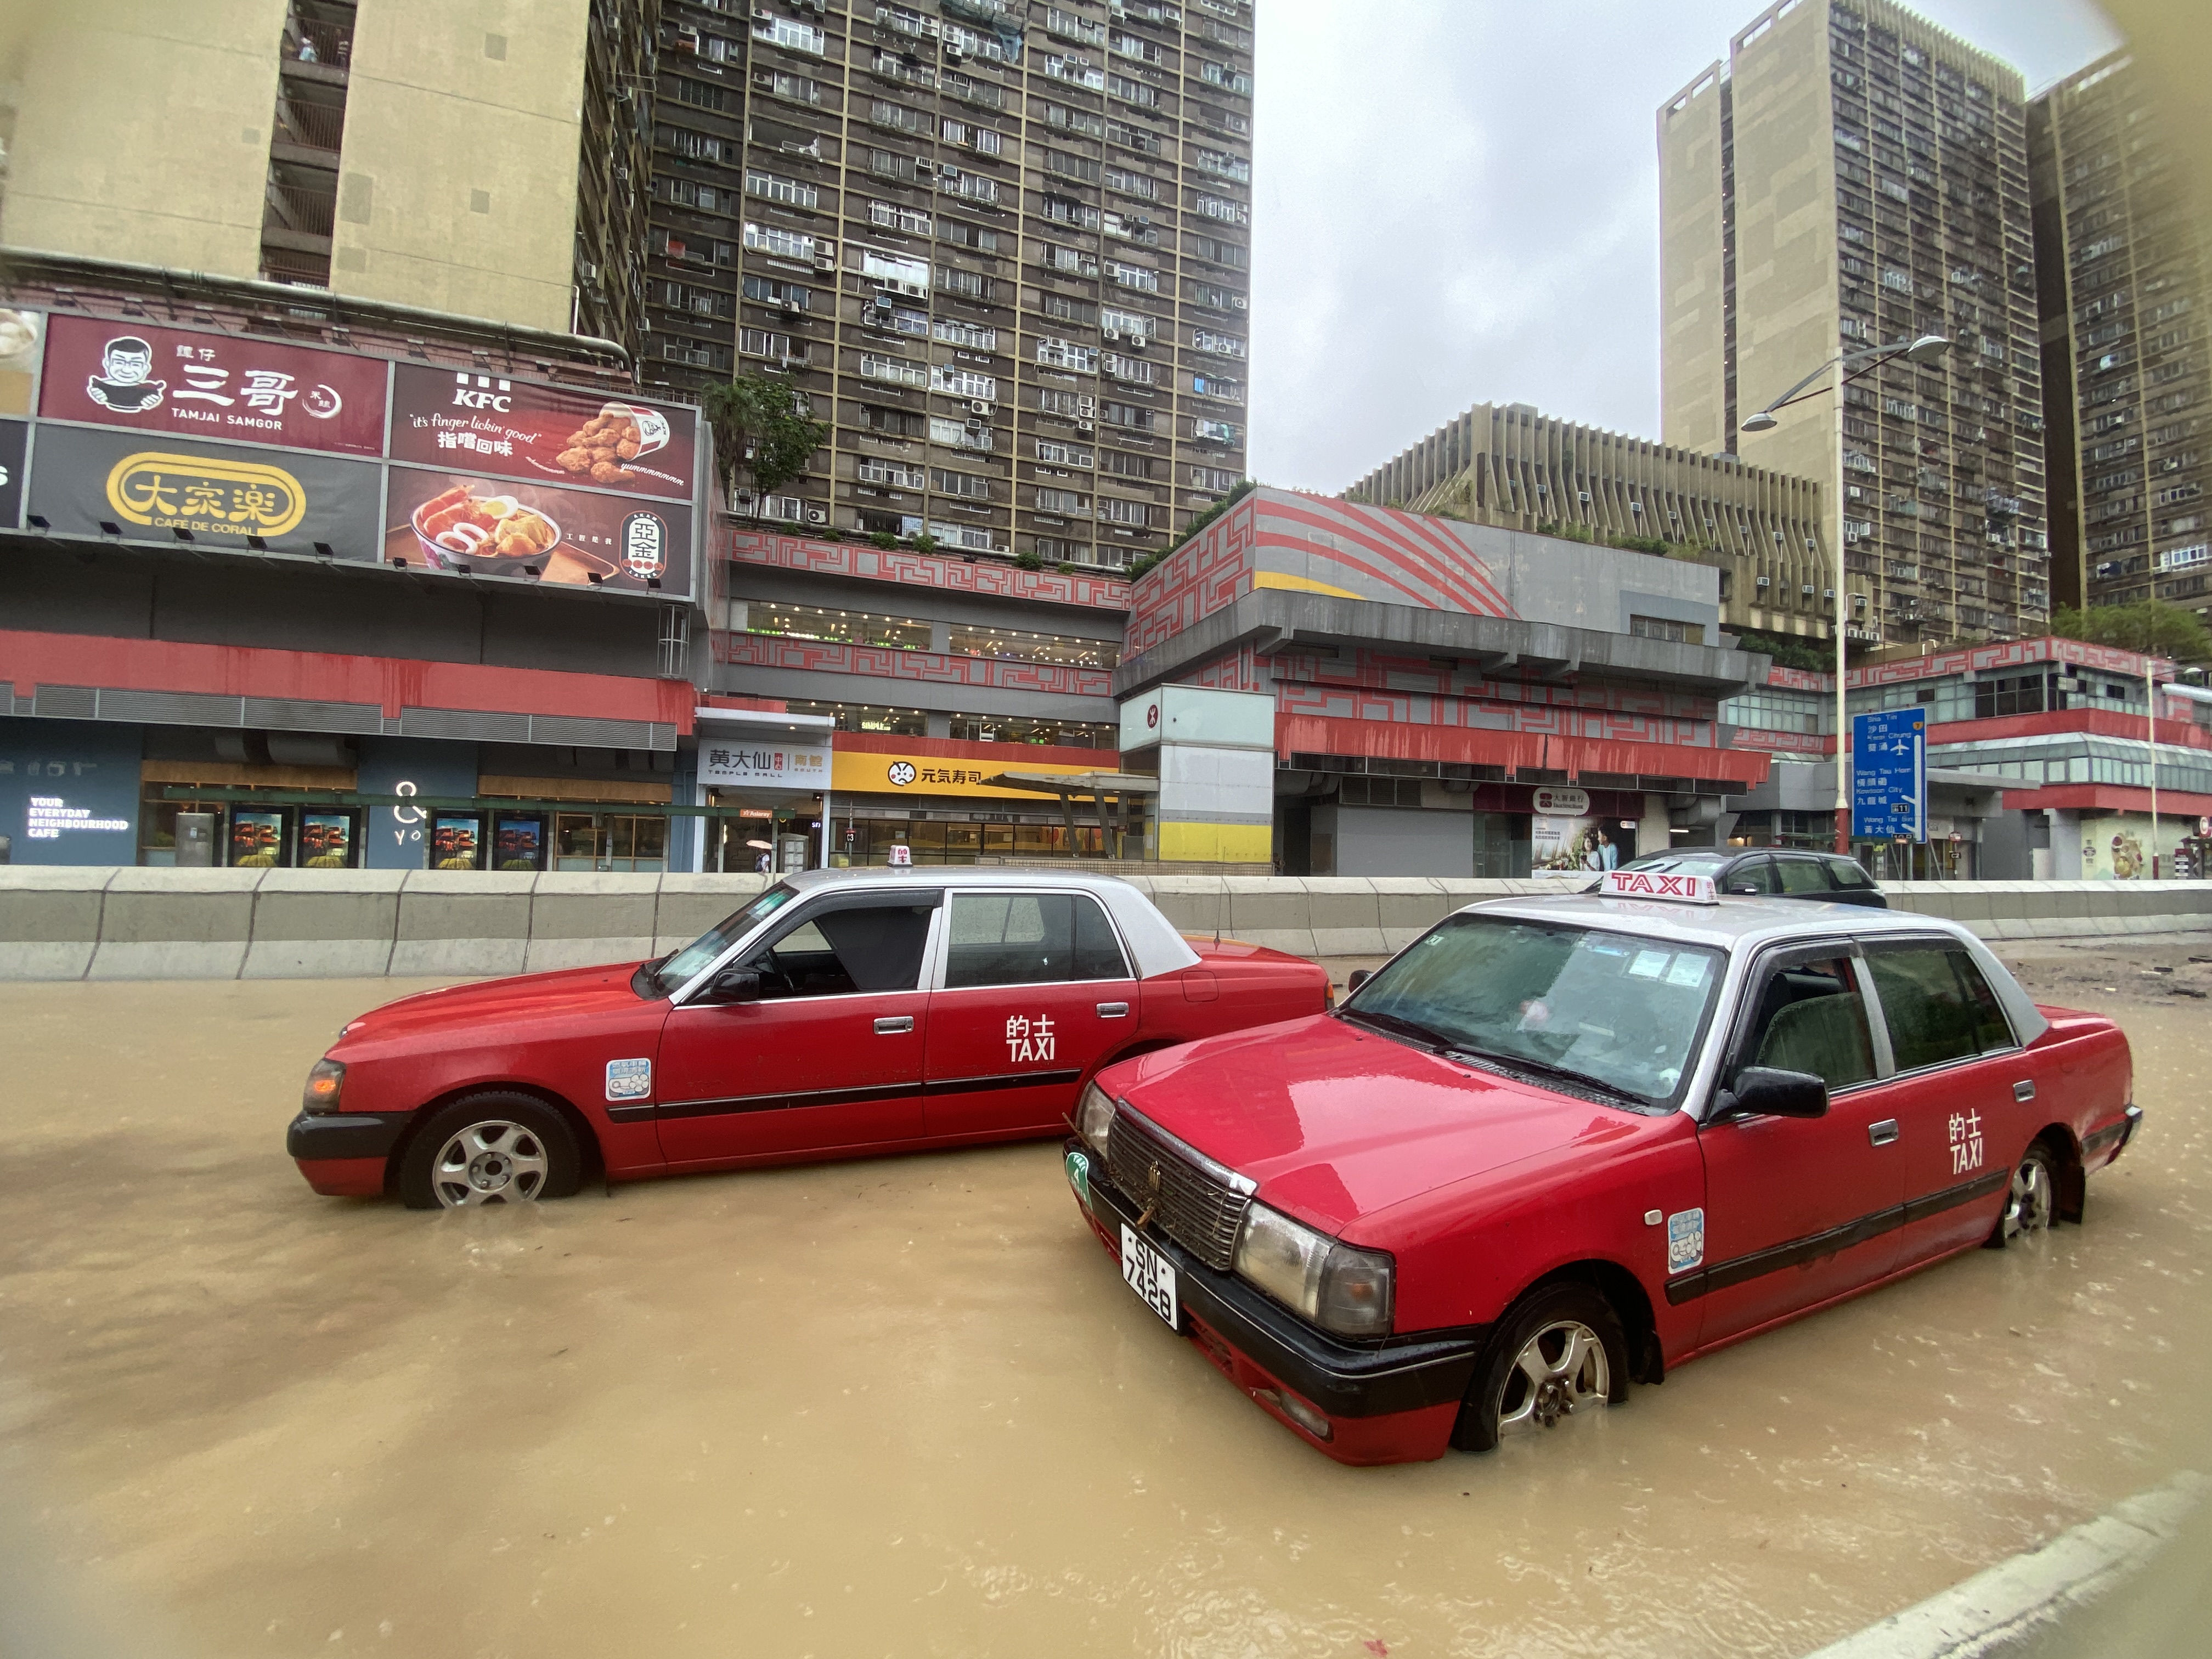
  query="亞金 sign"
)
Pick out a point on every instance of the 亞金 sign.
point(451, 520)
point(1889, 775)
point(192, 382)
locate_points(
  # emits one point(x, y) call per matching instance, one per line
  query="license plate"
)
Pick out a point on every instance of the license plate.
point(1149, 1274)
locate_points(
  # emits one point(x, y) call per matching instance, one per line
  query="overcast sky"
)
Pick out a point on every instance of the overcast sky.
point(1457, 202)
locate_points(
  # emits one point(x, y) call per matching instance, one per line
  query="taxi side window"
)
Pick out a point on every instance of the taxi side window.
point(1811, 1017)
point(1030, 939)
point(1803, 877)
point(1847, 873)
point(1937, 1005)
point(846, 951)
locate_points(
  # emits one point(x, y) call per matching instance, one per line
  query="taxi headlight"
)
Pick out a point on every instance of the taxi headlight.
point(325, 1079)
point(1094, 1119)
point(1336, 1286)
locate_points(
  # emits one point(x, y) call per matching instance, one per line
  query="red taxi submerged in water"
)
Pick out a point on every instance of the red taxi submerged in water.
point(839, 1014)
point(1559, 1143)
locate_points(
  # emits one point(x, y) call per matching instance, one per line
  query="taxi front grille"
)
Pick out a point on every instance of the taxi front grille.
point(1198, 1203)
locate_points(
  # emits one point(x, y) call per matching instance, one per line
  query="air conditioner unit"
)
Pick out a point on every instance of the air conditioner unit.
point(1086, 426)
point(1585, 497)
point(923, 169)
point(816, 515)
point(1110, 333)
point(587, 270)
point(762, 15)
point(979, 405)
point(1827, 592)
point(946, 170)
point(1763, 582)
point(954, 55)
point(1807, 590)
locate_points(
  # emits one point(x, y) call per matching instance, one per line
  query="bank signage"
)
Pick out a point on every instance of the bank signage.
point(141, 432)
point(1554, 802)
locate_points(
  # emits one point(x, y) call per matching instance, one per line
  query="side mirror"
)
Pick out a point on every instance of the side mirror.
point(733, 985)
point(1764, 1091)
point(1356, 978)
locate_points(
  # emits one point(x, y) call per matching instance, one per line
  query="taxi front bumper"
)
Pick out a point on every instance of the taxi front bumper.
point(343, 1154)
point(1389, 1402)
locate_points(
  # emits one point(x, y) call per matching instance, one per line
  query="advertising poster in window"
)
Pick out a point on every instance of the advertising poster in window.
point(149, 486)
point(257, 839)
point(190, 382)
point(547, 434)
point(21, 332)
point(326, 841)
point(487, 526)
point(1577, 846)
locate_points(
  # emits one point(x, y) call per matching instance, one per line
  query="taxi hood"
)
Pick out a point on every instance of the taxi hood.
point(1337, 1122)
point(466, 1010)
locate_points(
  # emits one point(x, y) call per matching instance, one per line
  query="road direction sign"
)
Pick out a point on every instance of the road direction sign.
point(1889, 776)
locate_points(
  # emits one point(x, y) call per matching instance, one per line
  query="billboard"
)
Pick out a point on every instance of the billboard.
point(149, 488)
point(142, 432)
point(187, 382)
point(540, 433)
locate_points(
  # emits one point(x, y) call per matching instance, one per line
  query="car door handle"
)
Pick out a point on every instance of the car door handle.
point(2024, 1089)
point(1883, 1133)
point(1112, 1010)
point(892, 1025)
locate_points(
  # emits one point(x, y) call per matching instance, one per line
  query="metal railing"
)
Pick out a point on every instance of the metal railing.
point(310, 126)
point(309, 212)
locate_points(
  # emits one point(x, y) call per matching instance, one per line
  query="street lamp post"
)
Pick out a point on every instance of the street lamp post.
point(1921, 350)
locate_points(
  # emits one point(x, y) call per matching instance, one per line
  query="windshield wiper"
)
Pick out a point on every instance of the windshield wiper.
point(1491, 1059)
point(1435, 1041)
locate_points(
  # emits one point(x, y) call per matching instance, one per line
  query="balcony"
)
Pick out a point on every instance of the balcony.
point(307, 133)
point(318, 40)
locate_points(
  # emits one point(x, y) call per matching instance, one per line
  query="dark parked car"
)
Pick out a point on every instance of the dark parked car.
point(1764, 872)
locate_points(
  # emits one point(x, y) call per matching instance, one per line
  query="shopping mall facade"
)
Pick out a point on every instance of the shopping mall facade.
point(319, 585)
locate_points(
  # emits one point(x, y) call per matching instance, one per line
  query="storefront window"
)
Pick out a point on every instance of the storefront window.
point(812, 621)
point(621, 842)
point(247, 834)
point(1014, 728)
point(867, 717)
point(1074, 652)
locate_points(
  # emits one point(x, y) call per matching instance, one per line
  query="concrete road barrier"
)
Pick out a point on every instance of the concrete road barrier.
point(95, 923)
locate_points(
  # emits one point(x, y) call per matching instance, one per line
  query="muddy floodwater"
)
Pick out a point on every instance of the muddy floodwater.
point(907, 1407)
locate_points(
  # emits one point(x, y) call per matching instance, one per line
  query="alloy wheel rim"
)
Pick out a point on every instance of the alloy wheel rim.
point(1561, 1370)
point(2029, 1208)
point(494, 1162)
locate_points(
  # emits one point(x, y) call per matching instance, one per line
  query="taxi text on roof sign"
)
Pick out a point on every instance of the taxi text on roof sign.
point(1653, 885)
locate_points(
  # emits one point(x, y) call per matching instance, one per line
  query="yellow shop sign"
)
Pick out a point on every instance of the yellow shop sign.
point(205, 496)
point(856, 773)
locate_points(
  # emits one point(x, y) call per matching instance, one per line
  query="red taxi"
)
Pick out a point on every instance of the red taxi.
point(1557, 1144)
point(840, 1013)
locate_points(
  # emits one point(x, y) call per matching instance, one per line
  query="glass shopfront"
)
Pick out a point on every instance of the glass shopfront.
point(245, 834)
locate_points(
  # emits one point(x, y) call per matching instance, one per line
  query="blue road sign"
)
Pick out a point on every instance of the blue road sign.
point(1889, 776)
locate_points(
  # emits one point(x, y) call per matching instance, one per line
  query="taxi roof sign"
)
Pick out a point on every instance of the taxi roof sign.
point(1684, 889)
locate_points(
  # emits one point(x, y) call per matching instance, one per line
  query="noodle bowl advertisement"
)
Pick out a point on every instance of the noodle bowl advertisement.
point(472, 525)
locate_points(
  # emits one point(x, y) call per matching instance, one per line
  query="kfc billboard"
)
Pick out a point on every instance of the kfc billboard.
point(233, 388)
point(455, 419)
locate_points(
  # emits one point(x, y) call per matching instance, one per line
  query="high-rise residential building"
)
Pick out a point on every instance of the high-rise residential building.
point(1851, 176)
point(1002, 250)
point(411, 152)
point(1507, 465)
point(2125, 279)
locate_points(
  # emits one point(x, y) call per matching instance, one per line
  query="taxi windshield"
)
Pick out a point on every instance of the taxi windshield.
point(671, 973)
point(1621, 1014)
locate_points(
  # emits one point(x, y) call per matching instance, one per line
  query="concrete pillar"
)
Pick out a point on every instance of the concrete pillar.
point(940, 726)
point(1654, 829)
point(2065, 845)
point(1216, 757)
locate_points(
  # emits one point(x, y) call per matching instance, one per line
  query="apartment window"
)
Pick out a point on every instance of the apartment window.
point(1134, 276)
point(1139, 184)
point(1066, 211)
point(1215, 297)
point(1076, 71)
point(883, 113)
point(967, 235)
point(1220, 345)
point(889, 164)
point(789, 191)
point(1114, 510)
point(1057, 454)
point(779, 84)
point(1125, 415)
point(1132, 371)
point(1223, 165)
point(1221, 432)
point(1073, 260)
point(1665, 628)
point(1211, 478)
point(966, 284)
point(1057, 353)
point(760, 343)
point(1133, 324)
point(789, 296)
point(962, 383)
point(1071, 405)
point(900, 371)
point(686, 193)
point(899, 320)
point(699, 301)
point(896, 423)
point(1071, 26)
point(953, 330)
point(795, 36)
point(1062, 501)
point(1135, 45)
point(696, 146)
point(1074, 120)
point(1215, 386)
point(1118, 132)
point(1222, 76)
point(898, 475)
point(1221, 252)
point(1123, 465)
point(776, 240)
point(969, 187)
point(890, 216)
point(967, 485)
point(955, 435)
point(1139, 92)
point(1070, 308)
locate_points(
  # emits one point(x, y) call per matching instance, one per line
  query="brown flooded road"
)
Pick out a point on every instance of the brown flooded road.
point(907, 1407)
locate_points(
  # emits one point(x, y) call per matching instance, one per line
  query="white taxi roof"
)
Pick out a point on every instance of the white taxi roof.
point(1150, 937)
point(1739, 925)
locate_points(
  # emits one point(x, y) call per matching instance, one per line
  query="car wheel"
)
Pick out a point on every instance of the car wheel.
point(2032, 1204)
point(489, 1149)
point(1559, 1352)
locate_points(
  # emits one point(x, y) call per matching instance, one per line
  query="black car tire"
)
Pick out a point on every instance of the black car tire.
point(536, 1139)
point(2031, 1204)
point(1544, 1309)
